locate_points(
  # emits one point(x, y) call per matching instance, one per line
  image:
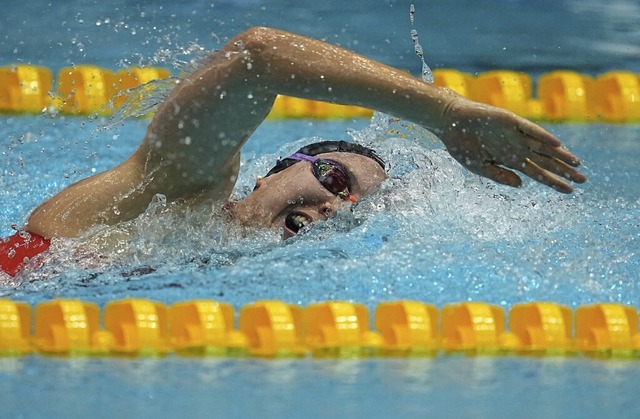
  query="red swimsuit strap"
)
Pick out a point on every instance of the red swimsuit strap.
point(15, 251)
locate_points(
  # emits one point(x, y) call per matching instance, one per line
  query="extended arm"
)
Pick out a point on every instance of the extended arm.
point(192, 144)
point(485, 139)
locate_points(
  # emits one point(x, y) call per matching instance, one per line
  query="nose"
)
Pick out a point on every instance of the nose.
point(259, 182)
point(327, 209)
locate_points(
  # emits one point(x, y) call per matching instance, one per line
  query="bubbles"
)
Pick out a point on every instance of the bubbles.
point(433, 231)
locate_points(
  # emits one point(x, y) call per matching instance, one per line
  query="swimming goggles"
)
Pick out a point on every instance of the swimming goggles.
point(332, 175)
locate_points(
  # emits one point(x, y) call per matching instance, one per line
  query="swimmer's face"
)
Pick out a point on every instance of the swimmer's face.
point(293, 198)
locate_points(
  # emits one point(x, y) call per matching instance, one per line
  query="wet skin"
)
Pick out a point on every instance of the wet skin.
point(294, 197)
point(218, 107)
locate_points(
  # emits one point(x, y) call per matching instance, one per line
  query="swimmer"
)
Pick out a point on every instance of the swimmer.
point(191, 150)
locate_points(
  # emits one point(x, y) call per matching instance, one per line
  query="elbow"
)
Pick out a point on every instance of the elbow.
point(255, 39)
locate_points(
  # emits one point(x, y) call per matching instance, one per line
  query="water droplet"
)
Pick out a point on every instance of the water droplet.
point(427, 74)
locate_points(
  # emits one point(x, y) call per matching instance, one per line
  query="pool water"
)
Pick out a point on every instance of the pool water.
point(442, 387)
point(433, 232)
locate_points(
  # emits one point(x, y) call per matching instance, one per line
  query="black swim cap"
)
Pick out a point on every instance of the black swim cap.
point(327, 147)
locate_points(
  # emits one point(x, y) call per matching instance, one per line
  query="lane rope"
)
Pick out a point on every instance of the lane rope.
point(560, 96)
point(332, 329)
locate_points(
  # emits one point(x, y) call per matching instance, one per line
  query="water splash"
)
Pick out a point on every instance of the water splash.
point(141, 100)
point(433, 232)
point(427, 74)
point(144, 99)
point(185, 59)
point(385, 126)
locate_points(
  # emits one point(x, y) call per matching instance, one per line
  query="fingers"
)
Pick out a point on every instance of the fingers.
point(543, 142)
point(558, 167)
point(549, 158)
point(558, 153)
point(498, 174)
point(526, 148)
point(536, 132)
point(545, 177)
point(535, 172)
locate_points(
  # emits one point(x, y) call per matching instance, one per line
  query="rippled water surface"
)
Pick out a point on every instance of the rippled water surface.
point(433, 231)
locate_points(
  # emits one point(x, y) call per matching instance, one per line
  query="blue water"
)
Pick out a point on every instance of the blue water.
point(585, 35)
point(433, 233)
point(455, 238)
point(455, 387)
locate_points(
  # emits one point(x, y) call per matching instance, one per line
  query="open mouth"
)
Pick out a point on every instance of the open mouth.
point(295, 222)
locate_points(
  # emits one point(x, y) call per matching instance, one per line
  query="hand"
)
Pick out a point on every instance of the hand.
point(488, 140)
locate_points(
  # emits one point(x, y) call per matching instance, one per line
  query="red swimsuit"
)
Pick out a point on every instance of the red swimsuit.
point(15, 251)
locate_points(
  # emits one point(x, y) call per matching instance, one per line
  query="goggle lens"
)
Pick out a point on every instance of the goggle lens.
point(333, 177)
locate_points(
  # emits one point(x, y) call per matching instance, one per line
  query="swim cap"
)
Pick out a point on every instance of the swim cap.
point(326, 147)
point(15, 251)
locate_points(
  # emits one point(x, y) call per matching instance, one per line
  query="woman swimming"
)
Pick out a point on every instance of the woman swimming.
point(191, 150)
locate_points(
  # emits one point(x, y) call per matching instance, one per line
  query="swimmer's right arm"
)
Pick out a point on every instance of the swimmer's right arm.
point(234, 93)
point(489, 141)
